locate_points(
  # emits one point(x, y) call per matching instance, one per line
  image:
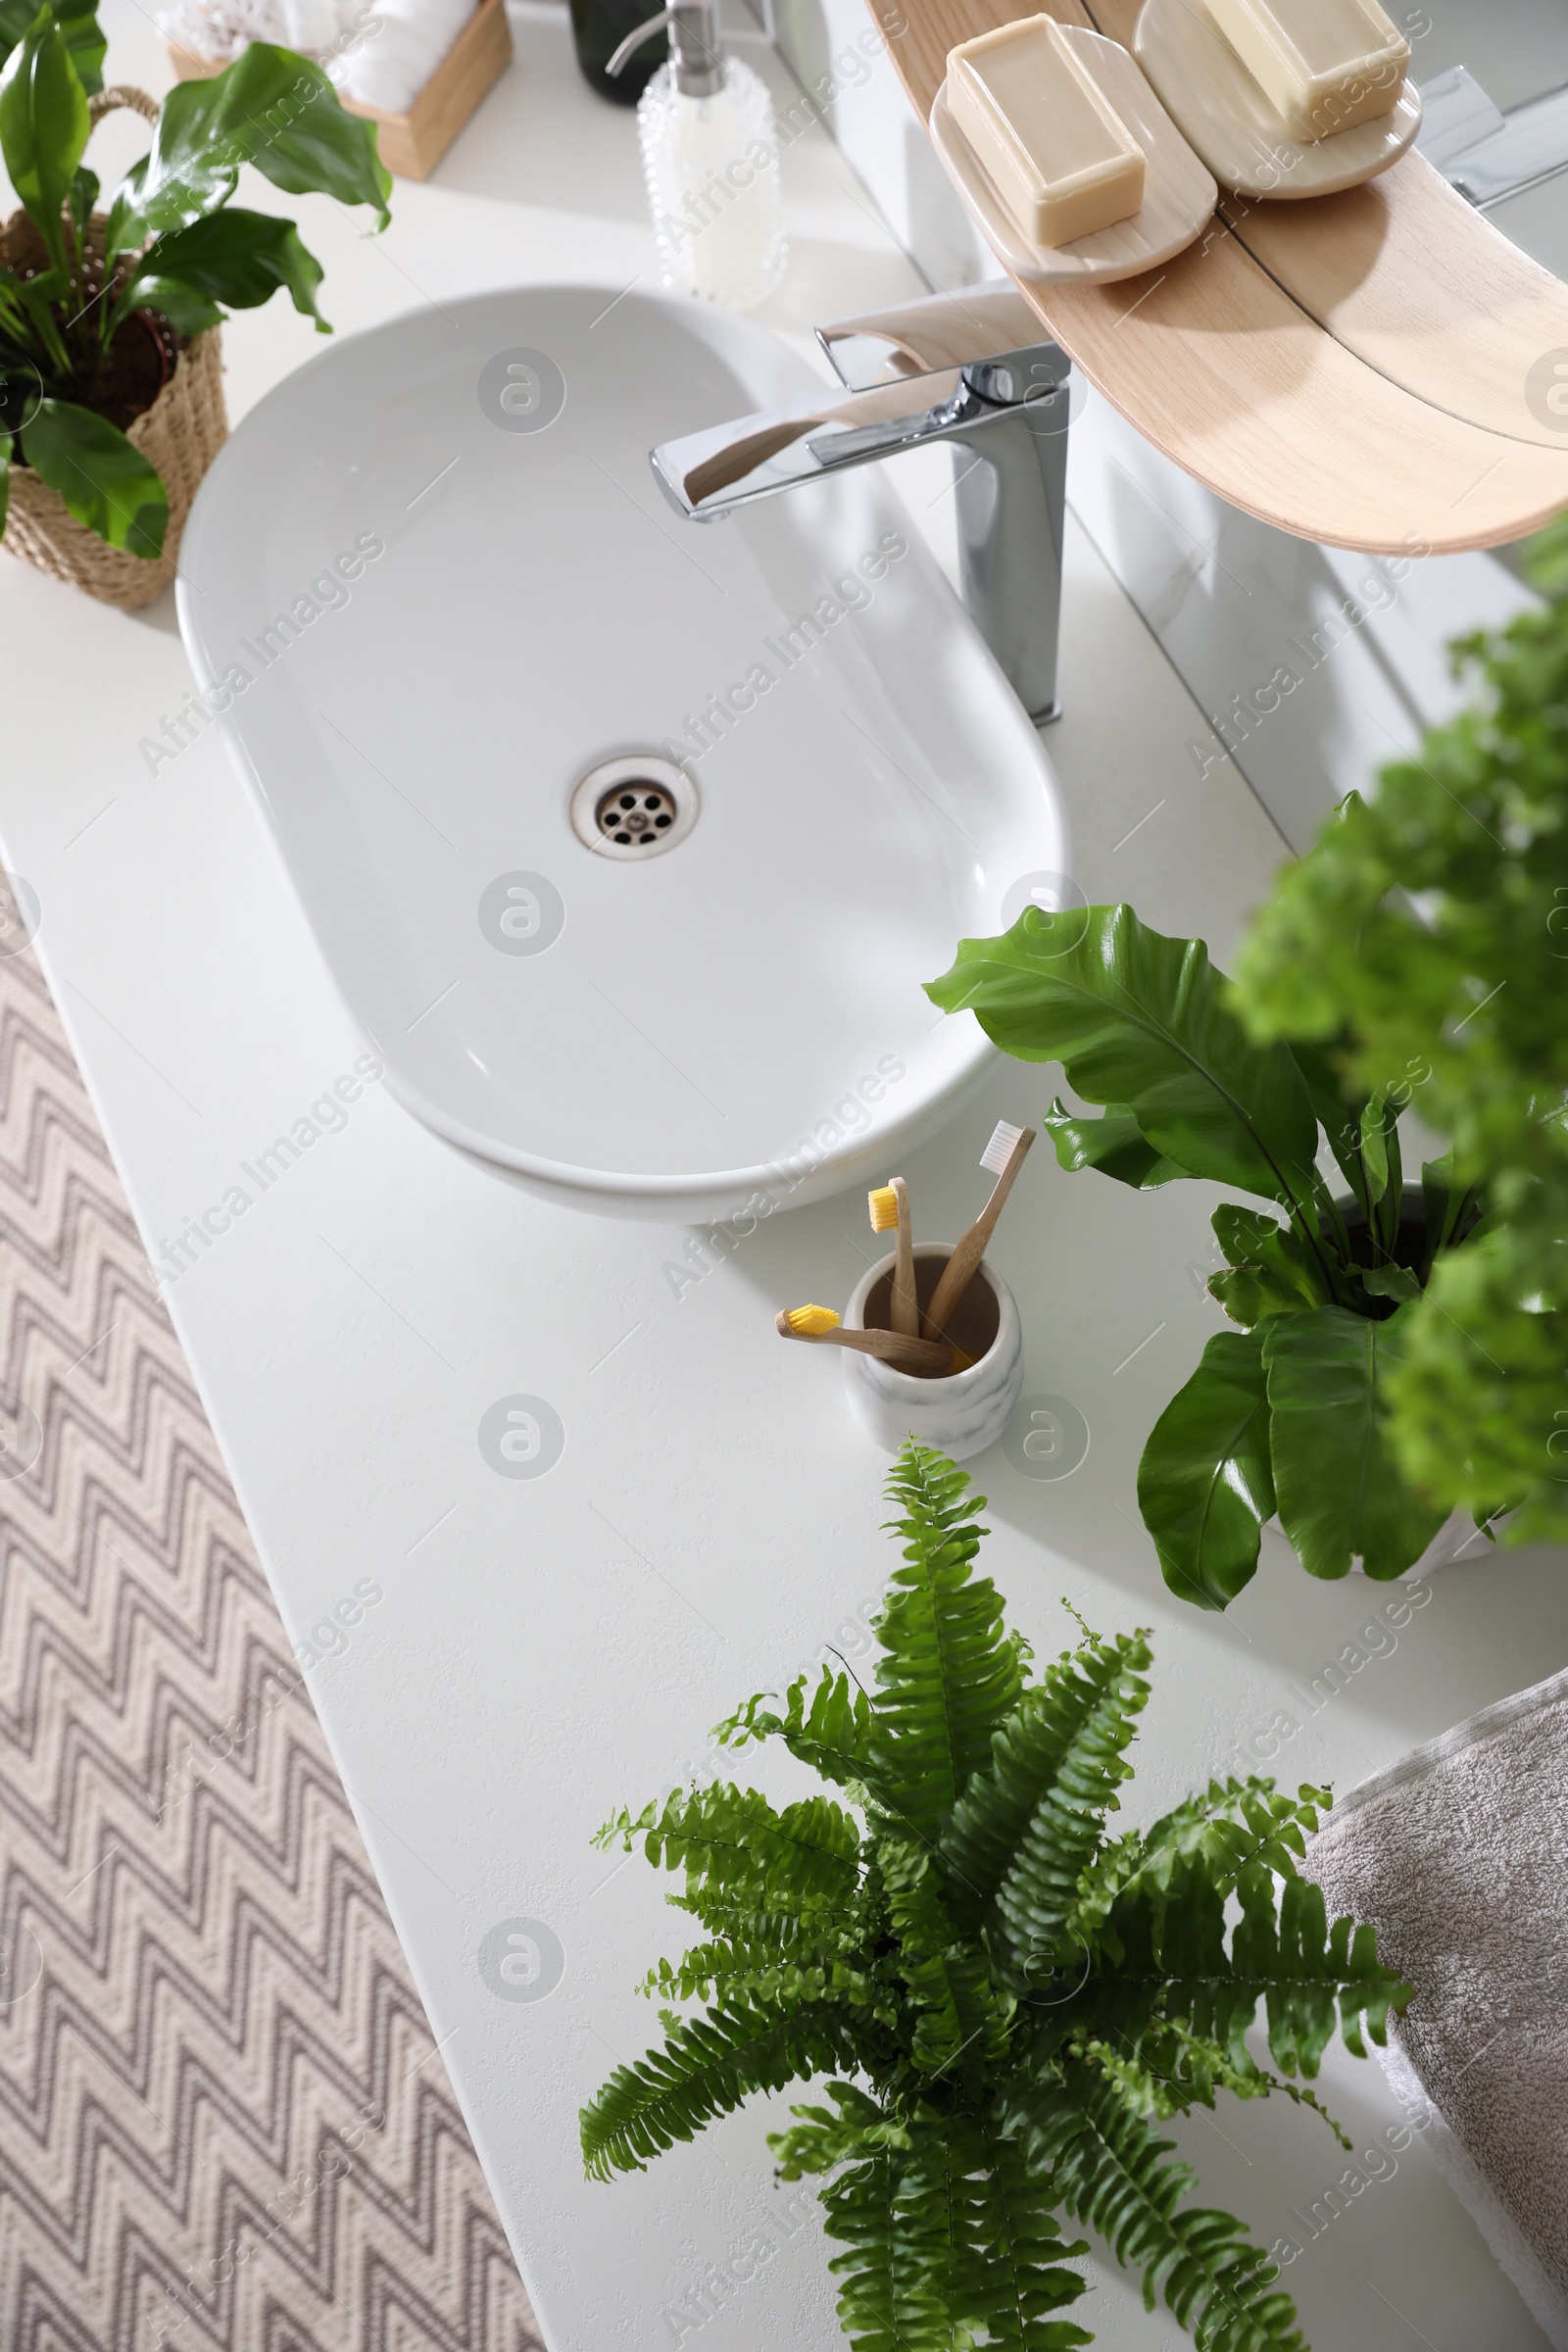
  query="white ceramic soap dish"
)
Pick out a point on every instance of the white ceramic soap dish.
point(967, 1411)
point(1179, 192)
point(1238, 130)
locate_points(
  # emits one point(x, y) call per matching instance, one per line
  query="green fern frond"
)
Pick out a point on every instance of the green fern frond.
point(1013, 2279)
point(1100, 1883)
point(1112, 2175)
point(951, 2244)
point(964, 2020)
point(753, 1945)
point(893, 2293)
point(1040, 1889)
point(715, 1968)
point(707, 2067)
point(1026, 1830)
point(1165, 1963)
point(1170, 2070)
point(741, 1916)
point(949, 1674)
point(1306, 1972)
point(822, 2139)
point(1237, 1824)
point(725, 1837)
point(832, 1734)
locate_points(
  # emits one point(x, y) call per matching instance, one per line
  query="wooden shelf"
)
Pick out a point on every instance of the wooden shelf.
point(1348, 368)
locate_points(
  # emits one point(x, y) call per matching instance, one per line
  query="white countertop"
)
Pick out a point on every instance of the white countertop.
point(544, 1649)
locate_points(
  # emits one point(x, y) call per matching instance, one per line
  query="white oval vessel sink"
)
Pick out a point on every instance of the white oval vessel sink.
point(431, 583)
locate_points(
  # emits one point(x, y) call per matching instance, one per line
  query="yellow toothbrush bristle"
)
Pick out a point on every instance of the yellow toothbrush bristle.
point(811, 1320)
point(884, 1207)
point(961, 1362)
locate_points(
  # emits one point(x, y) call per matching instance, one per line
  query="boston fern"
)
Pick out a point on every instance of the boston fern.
point(172, 243)
point(1010, 2000)
point(1291, 1413)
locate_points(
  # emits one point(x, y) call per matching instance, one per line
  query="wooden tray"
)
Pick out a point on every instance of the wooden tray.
point(1359, 386)
point(1179, 193)
point(1243, 138)
point(412, 144)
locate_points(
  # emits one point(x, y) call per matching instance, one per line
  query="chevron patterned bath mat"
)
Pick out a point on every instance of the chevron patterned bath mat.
point(222, 2119)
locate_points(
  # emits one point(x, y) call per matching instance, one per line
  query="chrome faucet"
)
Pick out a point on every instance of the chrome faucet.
point(966, 369)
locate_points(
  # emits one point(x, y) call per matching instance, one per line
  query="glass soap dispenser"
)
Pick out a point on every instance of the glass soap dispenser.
point(710, 153)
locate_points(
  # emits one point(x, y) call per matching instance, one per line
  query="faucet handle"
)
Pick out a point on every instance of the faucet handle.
point(940, 330)
point(702, 472)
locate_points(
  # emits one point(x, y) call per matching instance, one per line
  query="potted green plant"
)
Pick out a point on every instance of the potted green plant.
point(111, 395)
point(1021, 1997)
point(1429, 930)
point(1289, 1414)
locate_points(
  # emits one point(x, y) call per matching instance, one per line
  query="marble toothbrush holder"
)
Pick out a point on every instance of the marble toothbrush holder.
point(967, 1411)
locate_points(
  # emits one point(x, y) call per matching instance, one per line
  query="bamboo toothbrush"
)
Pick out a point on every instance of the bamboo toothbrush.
point(821, 1325)
point(1004, 1157)
point(890, 1205)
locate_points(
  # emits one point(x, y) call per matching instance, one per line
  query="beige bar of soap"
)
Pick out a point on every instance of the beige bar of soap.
point(1327, 64)
point(1062, 161)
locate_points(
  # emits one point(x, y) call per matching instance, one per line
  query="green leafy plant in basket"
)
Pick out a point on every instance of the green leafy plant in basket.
point(1429, 929)
point(78, 287)
point(1290, 1412)
point(1010, 1999)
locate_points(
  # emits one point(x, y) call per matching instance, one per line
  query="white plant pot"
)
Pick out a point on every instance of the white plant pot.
point(1459, 1535)
point(961, 1415)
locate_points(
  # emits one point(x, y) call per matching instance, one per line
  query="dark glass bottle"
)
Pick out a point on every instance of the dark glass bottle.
point(598, 27)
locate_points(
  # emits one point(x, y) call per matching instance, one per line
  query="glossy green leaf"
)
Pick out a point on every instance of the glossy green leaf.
point(79, 27)
point(43, 125)
point(1271, 1269)
point(1437, 1202)
point(269, 107)
point(1205, 1486)
point(37, 296)
point(81, 199)
point(104, 479)
point(232, 258)
point(1339, 1492)
point(1140, 1020)
point(1374, 1148)
point(1391, 1282)
point(189, 312)
point(1114, 1144)
point(1336, 1103)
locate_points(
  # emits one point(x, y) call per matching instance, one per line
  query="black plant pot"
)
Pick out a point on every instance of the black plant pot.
point(597, 27)
point(1410, 1240)
point(1410, 1246)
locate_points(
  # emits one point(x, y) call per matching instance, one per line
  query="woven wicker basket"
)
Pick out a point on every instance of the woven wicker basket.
point(180, 436)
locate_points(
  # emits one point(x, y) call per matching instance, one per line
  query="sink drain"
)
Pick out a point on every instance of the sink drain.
point(634, 815)
point(634, 807)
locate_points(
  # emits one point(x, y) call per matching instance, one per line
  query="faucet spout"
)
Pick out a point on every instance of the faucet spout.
point(1005, 413)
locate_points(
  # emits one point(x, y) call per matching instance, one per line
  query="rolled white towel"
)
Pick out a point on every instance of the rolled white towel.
point(309, 26)
point(221, 29)
point(411, 38)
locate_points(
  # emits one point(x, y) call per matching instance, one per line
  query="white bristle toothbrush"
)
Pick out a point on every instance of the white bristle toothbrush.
point(890, 1206)
point(895, 1348)
point(1004, 1157)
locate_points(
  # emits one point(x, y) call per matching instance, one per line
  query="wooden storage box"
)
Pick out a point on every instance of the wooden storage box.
point(412, 144)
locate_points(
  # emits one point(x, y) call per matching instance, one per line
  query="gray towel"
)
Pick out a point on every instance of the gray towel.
point(1458, 1855)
